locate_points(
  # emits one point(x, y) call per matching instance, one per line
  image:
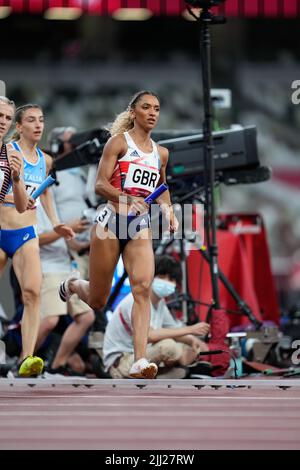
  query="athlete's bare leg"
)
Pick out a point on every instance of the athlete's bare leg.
point(104, 256)
point(26, 263)
point(138, 260)
point(3, 261)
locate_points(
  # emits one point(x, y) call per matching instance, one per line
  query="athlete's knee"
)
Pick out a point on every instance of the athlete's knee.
point(141, 288)
point(30, 295)
point(86, 318)
point(97, 303)
point(49, 323)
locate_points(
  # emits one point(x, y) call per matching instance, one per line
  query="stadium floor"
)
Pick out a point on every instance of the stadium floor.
point(143, 414)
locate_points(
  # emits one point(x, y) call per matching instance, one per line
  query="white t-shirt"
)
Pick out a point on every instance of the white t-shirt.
point(55, 257)
point(118, 334)
point(69, 197)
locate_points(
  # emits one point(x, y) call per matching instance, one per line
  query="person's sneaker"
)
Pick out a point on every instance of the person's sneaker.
point(31, 366)
point(142, 369)
point(65, 371)
point(64, 291)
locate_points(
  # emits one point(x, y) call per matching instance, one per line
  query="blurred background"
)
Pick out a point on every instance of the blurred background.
point(81, 60)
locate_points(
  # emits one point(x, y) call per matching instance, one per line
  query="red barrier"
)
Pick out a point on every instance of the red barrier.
point(245, 261)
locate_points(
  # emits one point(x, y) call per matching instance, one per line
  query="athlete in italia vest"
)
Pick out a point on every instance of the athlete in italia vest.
point(34, 173)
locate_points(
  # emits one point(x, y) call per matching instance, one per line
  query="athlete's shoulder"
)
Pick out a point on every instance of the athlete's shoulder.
point(10, 148)
point(48, 160)
point(116, 142)
point(163, 152)
point(117, 138)
point(46, 155)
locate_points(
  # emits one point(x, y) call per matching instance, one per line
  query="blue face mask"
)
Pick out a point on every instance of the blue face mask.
point(163, 288)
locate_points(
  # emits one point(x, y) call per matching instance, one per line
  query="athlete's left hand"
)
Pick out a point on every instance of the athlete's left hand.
point(172, 219)
point(31, 203)
point(64, 231)
point(15, 163)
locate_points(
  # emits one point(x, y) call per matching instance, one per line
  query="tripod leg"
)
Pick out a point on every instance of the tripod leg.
point(240, 302)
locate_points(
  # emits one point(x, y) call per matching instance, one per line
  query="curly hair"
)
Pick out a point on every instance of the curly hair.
point(124, 121)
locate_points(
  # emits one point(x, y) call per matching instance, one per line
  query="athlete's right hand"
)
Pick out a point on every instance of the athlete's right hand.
point(64, 231)
point(138, 206)
point(15, 163)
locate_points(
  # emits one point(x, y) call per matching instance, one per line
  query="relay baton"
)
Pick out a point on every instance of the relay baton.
point(156, 193)
point(153, 196)
point(45, 184)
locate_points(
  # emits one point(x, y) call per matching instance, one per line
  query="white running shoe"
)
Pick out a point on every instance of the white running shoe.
point(64, 291)
point(142, 369)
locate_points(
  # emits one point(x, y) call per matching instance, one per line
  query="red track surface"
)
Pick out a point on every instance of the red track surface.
point(103, 417)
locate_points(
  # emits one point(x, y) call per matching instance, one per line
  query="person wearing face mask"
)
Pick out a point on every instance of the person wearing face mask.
point(169, 343)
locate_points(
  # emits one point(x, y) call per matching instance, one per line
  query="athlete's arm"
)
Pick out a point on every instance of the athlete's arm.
point(20, 196)
point(165, 199)
point(114, 147)
point(77, 225)
point(47, 203)
point(46, 238)
point(60, 228)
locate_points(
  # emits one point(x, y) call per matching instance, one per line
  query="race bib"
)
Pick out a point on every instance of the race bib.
point(103, 216)
point(139, 177)
point(30, 188)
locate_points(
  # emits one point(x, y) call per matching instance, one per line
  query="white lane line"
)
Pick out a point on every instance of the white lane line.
point(165, 397)
point(118, 411)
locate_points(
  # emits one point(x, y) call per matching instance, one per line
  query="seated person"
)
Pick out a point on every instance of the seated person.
point(170, 343)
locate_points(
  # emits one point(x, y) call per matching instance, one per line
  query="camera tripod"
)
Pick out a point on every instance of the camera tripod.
point(185, 298)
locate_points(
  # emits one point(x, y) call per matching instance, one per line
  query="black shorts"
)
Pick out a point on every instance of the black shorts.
point(125, 227)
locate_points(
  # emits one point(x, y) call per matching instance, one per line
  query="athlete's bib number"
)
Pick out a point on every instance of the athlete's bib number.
point(103, 216)
point(30, 188)
point(141, 178)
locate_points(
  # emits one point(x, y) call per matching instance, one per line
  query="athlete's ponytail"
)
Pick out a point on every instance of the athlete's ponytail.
point(124, 121)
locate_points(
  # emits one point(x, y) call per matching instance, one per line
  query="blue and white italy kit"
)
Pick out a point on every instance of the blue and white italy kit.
point(34, 175)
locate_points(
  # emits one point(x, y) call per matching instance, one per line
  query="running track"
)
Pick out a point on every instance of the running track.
point(160, 414)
